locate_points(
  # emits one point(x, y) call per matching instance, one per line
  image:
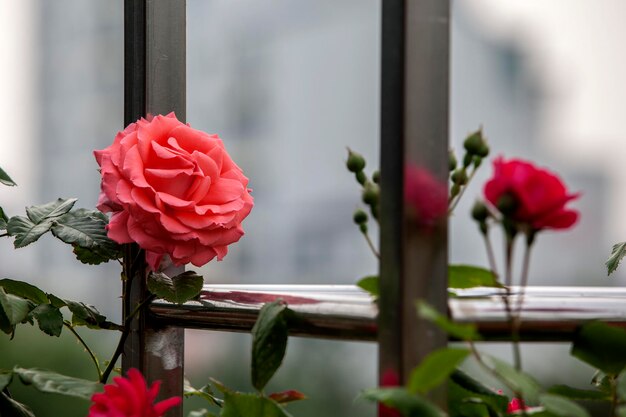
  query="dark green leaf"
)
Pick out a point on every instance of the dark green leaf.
point(435, 369)
point(5, 179)
point(56, 301)
point(15, 308)
point(82, 228)
point(24, 290)
point(519, 381)
point(86, 315)
point(459, 331)
point(269, 342)
point(561, 406)
point(579, 394)
point(369, 284)
point(601, 346)
point(50, 210)
point(5, 378)
point(52, 382)
point(179, 289)
point(409, 405)
point(618, 252)
point(3, 219)
point(49, 318)
point(250, 405)
point(97, 255)
point(11, 408)
point(25, 231)
point(463, 403)
point(467, 276)
point(492, 399)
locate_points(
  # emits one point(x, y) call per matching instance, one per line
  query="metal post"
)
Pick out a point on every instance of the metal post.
point(414, 131)
point(154, 83)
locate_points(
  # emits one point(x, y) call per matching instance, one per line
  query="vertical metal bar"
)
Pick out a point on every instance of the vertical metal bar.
point(414, 132)
point(154, 83)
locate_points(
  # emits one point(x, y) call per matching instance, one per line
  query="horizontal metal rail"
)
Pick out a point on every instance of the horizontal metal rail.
point(346, 312)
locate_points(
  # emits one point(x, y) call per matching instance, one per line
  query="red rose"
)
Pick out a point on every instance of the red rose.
point(130, 397)
point(173, 190)
point(516, 405)
point(530, 195)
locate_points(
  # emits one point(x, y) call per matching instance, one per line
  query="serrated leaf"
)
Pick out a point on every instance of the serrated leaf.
point(11, 408)
point(56, 301)
point(284, 397)
point(25, 231)
point(5, 379)
point(82, 228)
point(3, 219)
point(49, 319)
point(50, 210)
point(24, 290)
point(459, 331)
point(15, 308)
point(601, 346)
point(519, 381)
point(5, 179)
point(179, 289)
point(435, 369)
point(618, 252)
point(369, 284)
point(409, 405)
point(52, 382)
point(269, 342)
point(98, 255)
point(87, 315)
point(468, 276)
point(561, 406)
point(238, 404)
point(579, 394)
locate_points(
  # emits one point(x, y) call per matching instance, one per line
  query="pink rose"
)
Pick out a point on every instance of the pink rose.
point(516, 405)
point(130, 397)
point(530, 195)
point(173, 190)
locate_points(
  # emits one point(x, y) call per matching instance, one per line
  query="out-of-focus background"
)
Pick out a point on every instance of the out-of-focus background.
point(288, 85)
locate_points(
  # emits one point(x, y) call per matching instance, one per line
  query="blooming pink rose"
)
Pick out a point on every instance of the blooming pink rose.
point(130, 397)
point(173, 190)
point(425, 197)
point(533, 196)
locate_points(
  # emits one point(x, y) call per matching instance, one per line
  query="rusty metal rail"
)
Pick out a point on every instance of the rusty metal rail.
point(346, 312)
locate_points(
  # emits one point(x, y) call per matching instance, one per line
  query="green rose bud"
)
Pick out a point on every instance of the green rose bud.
point(371, 194)
point(451, 160)
point(355, 162)
point(460, 176)
point(480, 212)
point(361, 177)
point(507, 204)
point(359, 216)
point(483, 150)
point(363, 228)
point(376, 177)
point(474, 142)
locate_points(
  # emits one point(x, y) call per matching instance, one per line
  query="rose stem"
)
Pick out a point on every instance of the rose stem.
point(458, 197)
point(125, 333)
point(371, 245)
point(490, 255)
point(82, 342)
point(515, 337)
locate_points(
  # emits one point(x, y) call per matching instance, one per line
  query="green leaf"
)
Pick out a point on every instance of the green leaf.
point(621, 411)
point(250, 405)
point(52, 382)
point(601, 346)
point(621, 387)
point(579, 394)
point(179, 289)
point(618, 252)
point(476, 390)
point(25, 231)
point(409, 405)
point(369, 284)
point(49, 318)
point(56, 301)
point(435, 369)
point(50, 210)
point(15, 308)
point(98, 255)
point(11, 408)
point(5, 179)
point(201, 413)
point(519, 381)
point(205, 393)
point(467, 276)
point(86, 315)
point(3, 219)
point(269, 342)
point(460, 331)
point(81, 227)
point(463, 403)
point(24, 290)
point(561, 406)
point(5, 378)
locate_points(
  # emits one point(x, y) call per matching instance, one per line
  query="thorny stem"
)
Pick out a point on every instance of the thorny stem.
point(461, 192)
point(94, 359)
point(371, 244)
point(125, 333)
